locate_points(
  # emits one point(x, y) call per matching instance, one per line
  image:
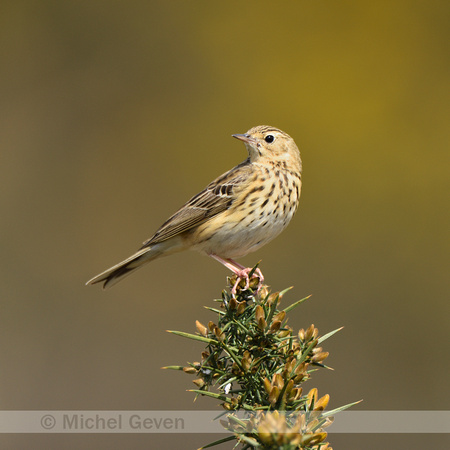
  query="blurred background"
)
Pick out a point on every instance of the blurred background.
point(114, 113)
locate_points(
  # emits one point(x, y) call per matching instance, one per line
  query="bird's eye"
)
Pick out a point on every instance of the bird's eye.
point(269, 138)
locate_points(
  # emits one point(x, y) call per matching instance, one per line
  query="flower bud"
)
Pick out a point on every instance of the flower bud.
point(201, 328)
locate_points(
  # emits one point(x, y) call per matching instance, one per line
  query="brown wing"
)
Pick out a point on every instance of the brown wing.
point(215, 198)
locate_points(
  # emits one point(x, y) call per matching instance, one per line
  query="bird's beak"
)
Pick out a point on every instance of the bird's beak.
point(245, 138)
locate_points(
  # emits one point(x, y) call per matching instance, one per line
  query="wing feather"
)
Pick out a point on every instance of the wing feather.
point(217, 197)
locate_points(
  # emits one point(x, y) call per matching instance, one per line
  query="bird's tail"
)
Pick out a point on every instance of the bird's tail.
point(119, 271)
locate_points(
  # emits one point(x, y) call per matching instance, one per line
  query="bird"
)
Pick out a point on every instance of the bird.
point(236, 214)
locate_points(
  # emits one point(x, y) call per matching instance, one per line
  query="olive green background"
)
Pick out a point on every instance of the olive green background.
point(114, 113)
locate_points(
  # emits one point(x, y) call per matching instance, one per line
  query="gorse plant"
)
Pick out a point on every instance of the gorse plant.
point(256, 364)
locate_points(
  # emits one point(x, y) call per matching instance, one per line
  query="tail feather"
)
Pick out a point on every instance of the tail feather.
point(123, 269)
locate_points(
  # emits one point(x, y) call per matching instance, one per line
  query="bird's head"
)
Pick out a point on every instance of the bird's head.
point(267, 144)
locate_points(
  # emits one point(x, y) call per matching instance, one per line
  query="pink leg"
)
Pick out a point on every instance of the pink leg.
point(241, 272)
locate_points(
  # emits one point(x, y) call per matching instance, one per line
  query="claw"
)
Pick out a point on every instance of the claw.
point(243, 274)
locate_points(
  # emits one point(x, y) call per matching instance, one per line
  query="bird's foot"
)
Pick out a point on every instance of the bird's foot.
point(246, 274)
point(242, 274)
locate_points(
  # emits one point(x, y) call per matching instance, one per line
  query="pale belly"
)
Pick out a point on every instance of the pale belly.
point(236, 238)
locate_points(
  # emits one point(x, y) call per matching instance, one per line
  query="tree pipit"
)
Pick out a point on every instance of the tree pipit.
point(236, 214)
